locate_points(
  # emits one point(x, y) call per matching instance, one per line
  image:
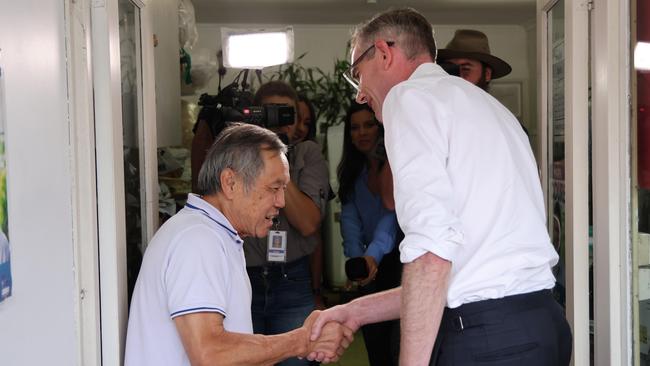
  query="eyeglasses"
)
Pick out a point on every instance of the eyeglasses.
point(350, 74)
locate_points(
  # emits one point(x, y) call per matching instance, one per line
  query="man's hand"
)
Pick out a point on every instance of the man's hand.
point(333, 339)
point(371, 264)
point(340, 314)
point(319, 320)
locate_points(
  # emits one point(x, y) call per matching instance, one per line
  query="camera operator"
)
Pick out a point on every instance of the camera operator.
point(281, 277)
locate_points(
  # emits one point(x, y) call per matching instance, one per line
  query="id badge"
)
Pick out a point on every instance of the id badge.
point(277, 246)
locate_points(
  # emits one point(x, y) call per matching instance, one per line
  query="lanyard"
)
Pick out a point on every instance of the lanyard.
point(188, 205)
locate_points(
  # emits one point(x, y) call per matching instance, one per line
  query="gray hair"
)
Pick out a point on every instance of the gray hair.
point(238, 147)
point(405, 26)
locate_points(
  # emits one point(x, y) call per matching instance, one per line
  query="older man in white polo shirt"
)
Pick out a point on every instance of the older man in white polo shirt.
point(192, 300)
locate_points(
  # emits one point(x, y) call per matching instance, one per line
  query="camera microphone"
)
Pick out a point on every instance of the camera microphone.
point(356, 268)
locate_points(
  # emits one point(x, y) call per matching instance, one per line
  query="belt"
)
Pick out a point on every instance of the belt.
point(490, 311)
point(278, 268)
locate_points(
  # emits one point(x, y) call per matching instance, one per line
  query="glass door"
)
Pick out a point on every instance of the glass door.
point(556, 198)
point(133, 138)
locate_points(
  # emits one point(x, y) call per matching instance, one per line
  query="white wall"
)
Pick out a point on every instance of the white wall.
point(323, 44)
point(37, 324)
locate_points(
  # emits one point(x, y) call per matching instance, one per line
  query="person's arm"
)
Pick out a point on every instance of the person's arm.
point(352, 233)
point(364, 310)
point(368, 309)
point(383, 242)
point(305, 201)
point(384, 237)
point(424, 294)
point(206, 342)
point(301, 212)
point(201, 142)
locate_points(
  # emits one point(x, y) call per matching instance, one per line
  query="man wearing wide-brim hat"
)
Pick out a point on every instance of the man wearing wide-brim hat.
point(470, 50)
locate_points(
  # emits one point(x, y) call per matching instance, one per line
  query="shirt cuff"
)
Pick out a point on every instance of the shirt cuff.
point(413, 246)
point(375, 252)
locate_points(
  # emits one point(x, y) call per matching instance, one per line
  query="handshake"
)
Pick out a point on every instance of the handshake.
point(326, 337)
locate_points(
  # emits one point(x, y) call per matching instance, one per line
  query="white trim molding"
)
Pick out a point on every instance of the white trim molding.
point(84, 185)
point(110, 179)
point(610, 30)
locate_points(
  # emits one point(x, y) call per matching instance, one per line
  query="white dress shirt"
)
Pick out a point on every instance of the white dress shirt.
point(466, 187)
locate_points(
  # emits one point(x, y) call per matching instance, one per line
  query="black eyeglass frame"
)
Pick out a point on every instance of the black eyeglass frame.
point(348, 75)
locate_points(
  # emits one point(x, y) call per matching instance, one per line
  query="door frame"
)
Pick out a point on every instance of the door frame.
point(110, 213)
point(576, 79)
point(612, 243)
point(596, 47)
point(83, 168)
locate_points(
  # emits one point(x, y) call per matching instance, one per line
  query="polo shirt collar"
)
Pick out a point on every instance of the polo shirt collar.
point(195, 201)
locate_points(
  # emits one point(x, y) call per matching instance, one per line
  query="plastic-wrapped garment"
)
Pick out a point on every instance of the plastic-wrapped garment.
point(204, 68)
point(187, 33)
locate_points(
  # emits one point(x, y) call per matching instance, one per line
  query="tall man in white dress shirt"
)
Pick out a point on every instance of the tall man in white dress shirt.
point(476, 253)
point(192, 299)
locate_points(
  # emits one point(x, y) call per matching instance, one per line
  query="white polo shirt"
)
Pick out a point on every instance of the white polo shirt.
point(194, 263)
point(466, 187)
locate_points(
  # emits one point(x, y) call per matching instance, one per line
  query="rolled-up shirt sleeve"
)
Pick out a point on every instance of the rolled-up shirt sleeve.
point(417, 144)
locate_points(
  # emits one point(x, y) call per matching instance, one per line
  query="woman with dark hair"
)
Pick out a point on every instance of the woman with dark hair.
point(369, 229)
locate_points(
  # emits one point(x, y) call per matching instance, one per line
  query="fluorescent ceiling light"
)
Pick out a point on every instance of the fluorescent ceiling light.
point(256, 49)
point(642, 56)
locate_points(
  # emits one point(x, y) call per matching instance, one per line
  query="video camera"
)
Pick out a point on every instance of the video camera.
point(234, 104)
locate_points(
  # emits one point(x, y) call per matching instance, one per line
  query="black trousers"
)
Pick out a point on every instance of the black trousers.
point(382, 339)
point(528, 329)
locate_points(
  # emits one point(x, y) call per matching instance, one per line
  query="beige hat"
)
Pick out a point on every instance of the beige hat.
point(469, 43)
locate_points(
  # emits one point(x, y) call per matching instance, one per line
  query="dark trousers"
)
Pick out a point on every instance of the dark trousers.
point(528, 329)
point(382, 339)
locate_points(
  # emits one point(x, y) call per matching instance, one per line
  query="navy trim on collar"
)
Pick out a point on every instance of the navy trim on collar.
point(191, 206)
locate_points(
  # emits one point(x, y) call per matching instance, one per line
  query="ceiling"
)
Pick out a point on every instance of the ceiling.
point(355, 11)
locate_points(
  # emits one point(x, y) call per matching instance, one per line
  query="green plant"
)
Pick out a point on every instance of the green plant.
point(330, 93)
